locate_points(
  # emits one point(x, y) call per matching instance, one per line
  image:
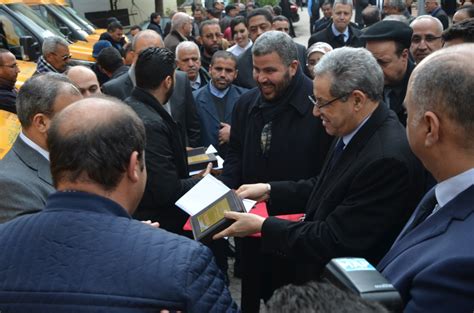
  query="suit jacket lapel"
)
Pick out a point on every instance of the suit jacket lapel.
point(330, 177)
point(209, 106)
point(457, 209)
point(33, 160)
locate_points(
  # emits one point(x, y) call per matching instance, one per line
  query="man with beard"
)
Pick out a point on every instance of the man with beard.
point(274, 136)
point(211, 41)
point(215, 102)
point(166, 163)
point(188, 60)
point(8, 73)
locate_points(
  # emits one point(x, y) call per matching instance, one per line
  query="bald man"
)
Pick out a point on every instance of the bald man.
point(181, 104)
point(426, 38)
point(85, 80)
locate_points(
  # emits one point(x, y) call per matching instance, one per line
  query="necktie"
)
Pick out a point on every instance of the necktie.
point(337, 153)
point(340, 39)
point(424, 209)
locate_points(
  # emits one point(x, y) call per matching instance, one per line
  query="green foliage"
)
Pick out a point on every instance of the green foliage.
point(262, 3)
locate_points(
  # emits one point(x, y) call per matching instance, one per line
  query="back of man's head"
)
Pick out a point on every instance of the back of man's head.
point(91, 142)
point(145, 39)
point(158, 63)
point(315, 297)
point(463, 13)
point(109, 59)
point(371, 15)
point(179, 19)
point(442, 83)
point(38, 95)
point(278, 42)
point(352, 69)
point(462, 32)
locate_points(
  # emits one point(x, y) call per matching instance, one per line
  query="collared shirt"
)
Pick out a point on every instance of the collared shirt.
point(196, 84)
point(34, 146)
point(450, 188)
point(238, 50)
point(42, 66)
point(337, 33)
point(435, 11)
point(216, 92)
point(347, 138)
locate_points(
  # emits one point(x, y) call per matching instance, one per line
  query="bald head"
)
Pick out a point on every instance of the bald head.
point(99, 152)
point(146, 39)
point(442, 83)
point(85, 79)
point(426, 38)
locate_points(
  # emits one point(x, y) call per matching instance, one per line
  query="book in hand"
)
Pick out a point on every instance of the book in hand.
point(209, 221)
point(198, 159)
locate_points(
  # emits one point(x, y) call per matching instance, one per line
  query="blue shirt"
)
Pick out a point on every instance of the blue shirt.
point(216, 92)
point(337, 33)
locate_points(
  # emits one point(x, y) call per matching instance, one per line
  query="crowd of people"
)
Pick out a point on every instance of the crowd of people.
point(366, 133)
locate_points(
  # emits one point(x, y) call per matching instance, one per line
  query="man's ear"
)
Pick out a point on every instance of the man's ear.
point(359, 99)
point(41, 122)
point(293, 67)
point(432, 123)
point(134, 167)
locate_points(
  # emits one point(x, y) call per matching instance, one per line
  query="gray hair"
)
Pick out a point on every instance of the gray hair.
point(39, 93)
point(400, 5)
point(275, 41)
point(179, 19)
point(345, 2)
point(51, 43)
point(187, 45)
point(352, 69)
point(438, 23)
point(443, 83)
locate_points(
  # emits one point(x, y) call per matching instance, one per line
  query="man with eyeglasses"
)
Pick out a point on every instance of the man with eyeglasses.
point(368, 186)
point(55, 56)
point(389, 43)
point(426, 38)
point(211, 41)
point(8, 74)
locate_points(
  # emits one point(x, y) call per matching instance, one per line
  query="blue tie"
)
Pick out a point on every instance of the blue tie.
point(337, 153)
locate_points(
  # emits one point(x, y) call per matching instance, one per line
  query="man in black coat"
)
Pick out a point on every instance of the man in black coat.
point(154, 24)
point(389, 42)
point(433, 7)
point(340, 32)
point(8, 74)
point(369, 184)
point(167, 167)
point(181, 104)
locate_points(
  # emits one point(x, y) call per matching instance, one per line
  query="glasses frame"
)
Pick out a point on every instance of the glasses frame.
point(315, 101)
point(432, 39)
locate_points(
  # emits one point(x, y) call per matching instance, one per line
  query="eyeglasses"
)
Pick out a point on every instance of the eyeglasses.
point(315, 101)
point(427, 39)
point(65, 57)
point(14, 65)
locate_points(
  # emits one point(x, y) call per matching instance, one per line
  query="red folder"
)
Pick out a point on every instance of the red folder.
point(261, 210)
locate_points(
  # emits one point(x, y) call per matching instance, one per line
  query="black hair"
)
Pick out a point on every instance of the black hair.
point(268, 16)
point(463, 30)
point(236, 21)
point(113, 26)
point(223, 55)
point(156, 63)
point(110, 59)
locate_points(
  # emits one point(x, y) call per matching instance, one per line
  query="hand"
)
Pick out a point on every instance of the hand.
point(245, 224)
point(204, 172)
point(257, 192)
point(224, 133)
point(153, 224)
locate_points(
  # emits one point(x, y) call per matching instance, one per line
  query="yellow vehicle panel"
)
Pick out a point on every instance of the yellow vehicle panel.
point(27, 69)
point(82, 50)
point(9, 129)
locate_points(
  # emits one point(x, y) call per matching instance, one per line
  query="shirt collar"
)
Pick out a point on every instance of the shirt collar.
point(337, 33)
point(448, 189)
point(347, 138)
point(34, 146)
point(216, 92)
point(196, 84)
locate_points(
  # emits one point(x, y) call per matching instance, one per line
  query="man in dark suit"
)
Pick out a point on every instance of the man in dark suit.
point(84, 252)
point(367, 188)
point(181, 104)
point(389, 42)
point(433, 7)
point(433, 256)
point(154, 24)
point(167, 166)
point(340, 32)
point(25, 179)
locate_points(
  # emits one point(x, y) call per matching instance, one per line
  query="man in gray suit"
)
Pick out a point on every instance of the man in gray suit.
point(25, 178)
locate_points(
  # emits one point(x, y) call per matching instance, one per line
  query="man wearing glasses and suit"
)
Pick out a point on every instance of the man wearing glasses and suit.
point(368, 187)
